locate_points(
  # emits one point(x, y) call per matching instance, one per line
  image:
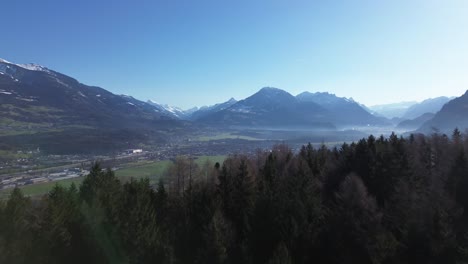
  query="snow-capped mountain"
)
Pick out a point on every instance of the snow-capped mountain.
point(32, 85)
point(207, 110)
point(28, 66)
point(194, 113)
point(45, 103)
point(173, 111)
point(271, 107)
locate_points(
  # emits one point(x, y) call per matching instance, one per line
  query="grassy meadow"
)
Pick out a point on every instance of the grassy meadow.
point(137, 170)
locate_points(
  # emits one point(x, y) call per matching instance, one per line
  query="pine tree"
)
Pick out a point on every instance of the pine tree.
point(15, 230)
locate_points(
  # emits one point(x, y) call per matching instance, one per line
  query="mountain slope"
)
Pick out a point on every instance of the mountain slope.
point(207, 110)
point(392, 110)
point(343, 111)
point(432, 105)
point(171, 111)
point(415, 123)
point(34, 99)
point(453, 114)
point(271, 107)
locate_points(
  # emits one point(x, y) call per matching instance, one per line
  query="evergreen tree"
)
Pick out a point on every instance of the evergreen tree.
point(15, 230)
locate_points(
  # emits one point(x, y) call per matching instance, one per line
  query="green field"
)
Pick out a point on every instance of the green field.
point(154, 170)
point(151, 170)
point(9, 155)
point(41, 188)
point(145, 169)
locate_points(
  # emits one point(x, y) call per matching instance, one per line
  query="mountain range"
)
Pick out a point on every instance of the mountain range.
point(38, 104)
point(391, 110)
point(270, 108)
point(453, 114)
point(409, 110)
point(273, 107)
point(207, 110)
point(276, 108)
point(172, 111)
point(343, 111)
point(415, 123)
point(46, 95)
point(432, 105)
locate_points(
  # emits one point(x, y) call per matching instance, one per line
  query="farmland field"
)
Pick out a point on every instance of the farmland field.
point(42, 188)
point(137, 170)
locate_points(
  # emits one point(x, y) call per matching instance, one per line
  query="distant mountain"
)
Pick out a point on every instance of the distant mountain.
point(172, 111)
point(343, 111)
point(453, 114)
point(189, 112)
point(432, 105)
point(273, 107)
point(207, 110)
point(415, 123)
point(392, 110)
point(369, 110)
point(194, 113)
point(35, 100)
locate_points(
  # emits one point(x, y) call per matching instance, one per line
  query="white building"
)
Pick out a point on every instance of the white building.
point(134, 151)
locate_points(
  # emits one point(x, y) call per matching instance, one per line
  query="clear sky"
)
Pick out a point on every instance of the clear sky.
point(192, 53)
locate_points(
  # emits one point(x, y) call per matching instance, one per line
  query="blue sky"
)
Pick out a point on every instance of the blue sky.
point(192, 53)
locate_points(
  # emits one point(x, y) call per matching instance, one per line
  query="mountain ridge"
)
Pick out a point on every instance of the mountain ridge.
point(39, 103)
point(35, 99)
point(275, 107)
point(430, 105)
point(452, 115)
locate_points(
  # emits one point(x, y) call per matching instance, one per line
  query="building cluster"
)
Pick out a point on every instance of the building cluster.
point(27, 179)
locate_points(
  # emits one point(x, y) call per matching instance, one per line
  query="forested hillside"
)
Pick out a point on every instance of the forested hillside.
point(380, 200)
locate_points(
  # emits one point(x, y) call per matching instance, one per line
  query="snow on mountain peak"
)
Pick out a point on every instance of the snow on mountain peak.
point(33, 67)
point(28, 66)
point(4, 61)
point(176, 111)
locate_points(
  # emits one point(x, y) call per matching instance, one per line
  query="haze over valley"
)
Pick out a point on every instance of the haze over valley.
point(233, 132)
point(41, 108)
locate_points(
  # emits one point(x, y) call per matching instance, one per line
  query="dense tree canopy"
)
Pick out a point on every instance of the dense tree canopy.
point(379, 200)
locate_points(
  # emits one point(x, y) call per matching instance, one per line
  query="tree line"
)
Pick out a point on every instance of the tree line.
point(378, 200)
